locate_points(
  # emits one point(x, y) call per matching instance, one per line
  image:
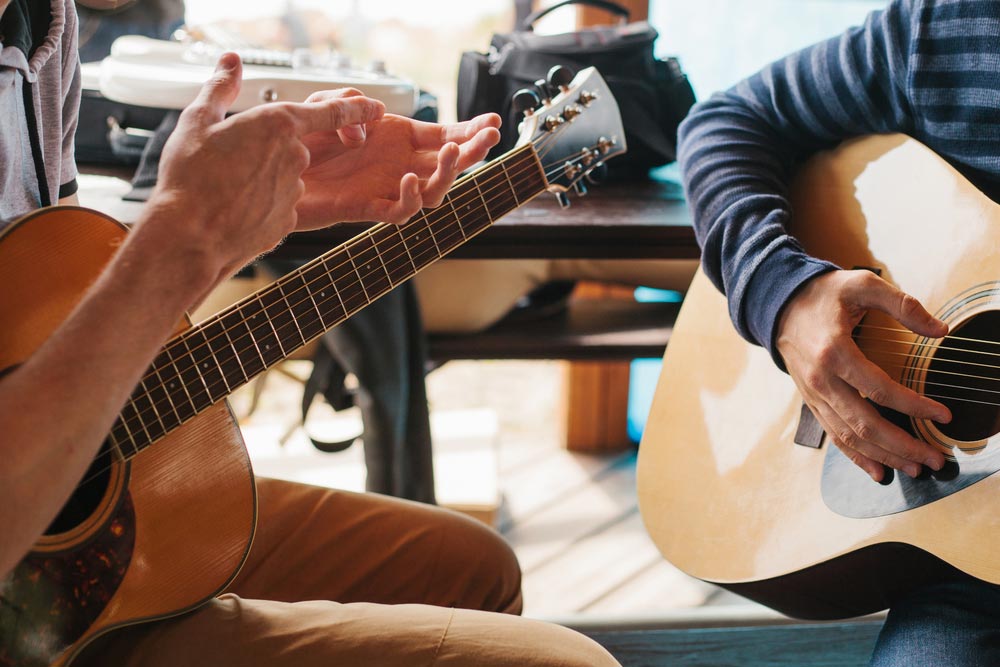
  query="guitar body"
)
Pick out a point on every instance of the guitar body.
point(727, 494)
point(167, 531)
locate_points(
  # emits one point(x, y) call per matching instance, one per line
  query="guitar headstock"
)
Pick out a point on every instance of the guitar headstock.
point(575, 131)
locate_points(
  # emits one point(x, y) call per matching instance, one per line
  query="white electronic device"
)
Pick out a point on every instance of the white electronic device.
point(168, 75)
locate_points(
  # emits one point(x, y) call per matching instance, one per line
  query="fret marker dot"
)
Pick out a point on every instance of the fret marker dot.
point(322, 293)
point(205, 365)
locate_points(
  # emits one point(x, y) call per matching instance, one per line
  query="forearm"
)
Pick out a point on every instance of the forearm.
point(737, 168)
point(739, 149)
point(58, 406)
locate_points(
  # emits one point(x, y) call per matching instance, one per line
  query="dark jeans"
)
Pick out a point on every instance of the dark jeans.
point(950, 624)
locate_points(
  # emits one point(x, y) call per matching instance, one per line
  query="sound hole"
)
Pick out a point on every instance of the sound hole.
point(963, 374)
point(88, 495)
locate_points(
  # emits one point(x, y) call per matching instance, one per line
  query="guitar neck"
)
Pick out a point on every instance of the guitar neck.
point(206, 363)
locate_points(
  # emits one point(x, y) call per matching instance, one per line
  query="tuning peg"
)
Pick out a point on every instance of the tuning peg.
point(563, 199)
point(559, 77)
point(598, 174)
point(581, 189)
point(543, 90)
point(525, 101)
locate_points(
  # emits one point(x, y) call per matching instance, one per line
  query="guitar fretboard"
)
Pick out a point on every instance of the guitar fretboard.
point(206, 363)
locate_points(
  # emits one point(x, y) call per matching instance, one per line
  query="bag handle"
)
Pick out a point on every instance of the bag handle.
point(528, 24)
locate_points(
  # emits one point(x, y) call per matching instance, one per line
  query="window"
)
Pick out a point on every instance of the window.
point(421, 40)
point(720, 42)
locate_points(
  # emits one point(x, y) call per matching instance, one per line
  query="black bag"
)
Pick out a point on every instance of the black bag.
point(653, 95)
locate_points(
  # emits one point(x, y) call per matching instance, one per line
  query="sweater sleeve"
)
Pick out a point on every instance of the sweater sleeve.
point(737, 151)
point(71, 87)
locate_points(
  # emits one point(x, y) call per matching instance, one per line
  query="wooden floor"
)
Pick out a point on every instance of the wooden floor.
point(572, 519)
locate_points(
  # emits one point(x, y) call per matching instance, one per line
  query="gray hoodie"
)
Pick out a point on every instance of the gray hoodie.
point(39, 101)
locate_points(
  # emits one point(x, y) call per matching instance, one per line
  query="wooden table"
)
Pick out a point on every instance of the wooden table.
point(643, 220)
point(646, 220)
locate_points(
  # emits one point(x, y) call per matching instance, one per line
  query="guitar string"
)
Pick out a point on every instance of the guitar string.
point(936, 370)
point(907, 331)
point(154, 403)
point(417, 244)
point(283, 333)
point(275, 287)
point(353, 243)
point(892, 341)
point(222, 377)
point(928, 383)
point(280, 333)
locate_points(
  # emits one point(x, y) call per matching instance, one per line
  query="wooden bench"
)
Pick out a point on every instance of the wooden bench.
point(601, 336)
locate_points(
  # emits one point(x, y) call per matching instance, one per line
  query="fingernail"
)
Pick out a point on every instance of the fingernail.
point(227, 63)
point(933, 464)
point(913, 471)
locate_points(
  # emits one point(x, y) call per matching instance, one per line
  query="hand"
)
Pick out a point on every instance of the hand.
point(229, 186)
point(386, 170)
point(833, 376)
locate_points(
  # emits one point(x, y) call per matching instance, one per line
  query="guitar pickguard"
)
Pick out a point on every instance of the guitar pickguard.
point(50, 600)
point(849, 491)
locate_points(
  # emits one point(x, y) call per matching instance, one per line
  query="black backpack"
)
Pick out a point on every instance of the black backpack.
point(653, 95)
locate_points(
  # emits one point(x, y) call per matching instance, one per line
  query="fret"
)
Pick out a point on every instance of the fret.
point(236, 352)
point(188, 376)
point(159, 391)
point(169, 378)
point(115, 444)
point(325, 294)
point(361, 282)
point(145, 417)
point(162, 404)
point(262, 331)
point(457, 217)
point(296, 327)
point(205, 364)
point(402, 240)
point(238, 333)
point(223, 353)
point(486, 207)
point(510, 184)
point(125, 438)
point(420, 241)
point(304, 311)
point(391, 248)
point(368, 266)
point(146, 403)
point(428, 225)
point(273, 316)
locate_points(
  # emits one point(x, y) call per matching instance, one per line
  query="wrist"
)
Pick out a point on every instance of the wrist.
point(163, 241)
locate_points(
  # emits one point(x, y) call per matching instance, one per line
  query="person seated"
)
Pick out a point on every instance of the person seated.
point(332, 577)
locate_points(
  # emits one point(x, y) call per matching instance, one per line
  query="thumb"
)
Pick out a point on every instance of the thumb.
point(219, 92)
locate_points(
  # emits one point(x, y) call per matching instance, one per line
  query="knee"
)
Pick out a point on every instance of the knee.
point(519, 641)
point(481, 563)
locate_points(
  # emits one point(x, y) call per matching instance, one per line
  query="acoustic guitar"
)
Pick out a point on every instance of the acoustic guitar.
point(163, 519)
point(737, 484)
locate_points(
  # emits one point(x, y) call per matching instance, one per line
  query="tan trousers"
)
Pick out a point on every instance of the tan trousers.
point(338, 578)
point(468, 295)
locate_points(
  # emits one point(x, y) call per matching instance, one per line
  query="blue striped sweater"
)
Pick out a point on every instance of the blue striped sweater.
point(927, 68)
